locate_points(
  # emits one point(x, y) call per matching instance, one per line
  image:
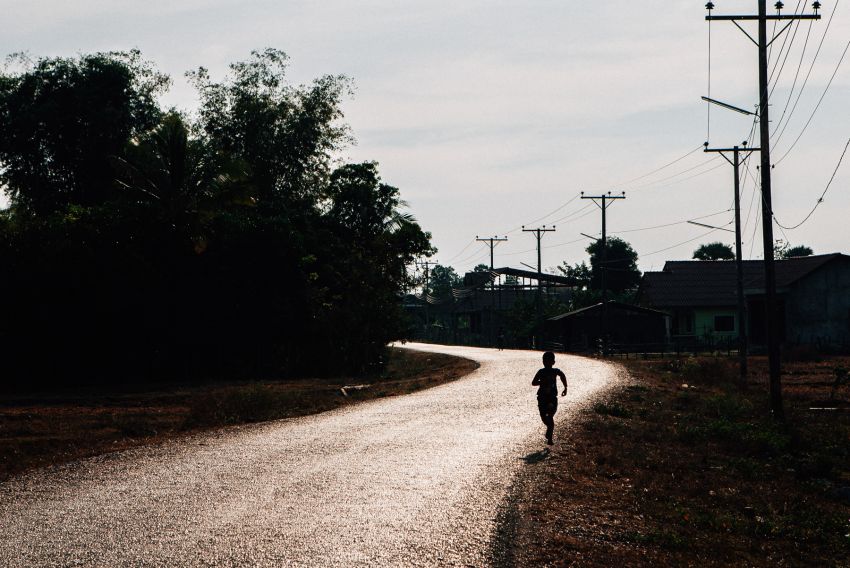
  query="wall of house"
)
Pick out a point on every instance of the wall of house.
point(817, 309)
point(704, 322)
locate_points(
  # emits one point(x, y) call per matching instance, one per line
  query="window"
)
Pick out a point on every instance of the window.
point(724, 323)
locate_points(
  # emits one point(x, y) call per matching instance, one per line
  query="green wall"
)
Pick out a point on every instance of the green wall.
point(704, 322)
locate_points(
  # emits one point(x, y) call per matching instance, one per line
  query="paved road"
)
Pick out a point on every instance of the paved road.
point(414, 480)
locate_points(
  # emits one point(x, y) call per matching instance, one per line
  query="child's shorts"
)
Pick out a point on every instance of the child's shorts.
point(547, 405)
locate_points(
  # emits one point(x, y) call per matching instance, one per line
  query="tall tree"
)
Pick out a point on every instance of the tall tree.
point(714, 251)
point(287, 134)
point(62, 119)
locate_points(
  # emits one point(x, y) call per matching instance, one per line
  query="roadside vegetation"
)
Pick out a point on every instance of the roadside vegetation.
point(146, 244)
point(680, 467)
point(39, 429)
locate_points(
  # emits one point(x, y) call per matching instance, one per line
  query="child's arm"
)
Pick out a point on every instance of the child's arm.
point(563, 380)
point(536, 380)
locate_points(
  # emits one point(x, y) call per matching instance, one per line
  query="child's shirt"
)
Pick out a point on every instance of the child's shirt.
point(547, 377)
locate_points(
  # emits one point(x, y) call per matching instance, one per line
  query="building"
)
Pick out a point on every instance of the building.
point(624, 324)
point(813, 297)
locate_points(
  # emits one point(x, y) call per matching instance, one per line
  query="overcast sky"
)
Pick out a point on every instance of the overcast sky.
point(491, 114)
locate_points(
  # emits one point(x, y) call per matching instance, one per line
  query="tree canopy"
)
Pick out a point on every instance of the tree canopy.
point(786, 251)
point(144, 243)
point(622, 275)
point(714, 251)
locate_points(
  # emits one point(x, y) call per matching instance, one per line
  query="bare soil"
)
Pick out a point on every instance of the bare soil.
point(683, 468)
point(39, 429)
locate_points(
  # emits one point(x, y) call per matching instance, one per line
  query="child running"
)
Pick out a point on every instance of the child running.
point(547, 393)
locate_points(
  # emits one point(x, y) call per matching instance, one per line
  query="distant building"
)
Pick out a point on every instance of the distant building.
point(813, 297)
point(580, 330)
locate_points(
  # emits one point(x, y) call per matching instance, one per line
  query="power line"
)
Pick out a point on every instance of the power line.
point(682, 243)
point(817, 106)
point(469, 244)
point(684, 221)
point(650, 184)
point(794, 83)
point(820, 199)
point(808, 74)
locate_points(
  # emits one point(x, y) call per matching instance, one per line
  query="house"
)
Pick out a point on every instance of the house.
point(813, 299)
point(579, 330)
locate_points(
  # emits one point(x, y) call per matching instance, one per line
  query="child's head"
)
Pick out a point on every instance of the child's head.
point(548, 359)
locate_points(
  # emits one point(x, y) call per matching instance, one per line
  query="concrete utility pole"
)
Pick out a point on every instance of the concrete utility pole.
point(538, 233)
point(427, 264)
point(739, 261)
point(601, 201)
point(772, 316)
point(492, 242)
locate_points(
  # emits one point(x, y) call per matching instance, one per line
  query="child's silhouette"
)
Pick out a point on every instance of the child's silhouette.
point(546, 380)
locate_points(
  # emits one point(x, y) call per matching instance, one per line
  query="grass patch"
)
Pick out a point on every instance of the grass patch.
point(612, 409)
point(698, 476)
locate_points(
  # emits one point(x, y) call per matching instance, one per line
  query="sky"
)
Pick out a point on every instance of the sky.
point(490, 115)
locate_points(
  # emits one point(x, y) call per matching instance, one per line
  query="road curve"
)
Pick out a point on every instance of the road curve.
point(412, 480)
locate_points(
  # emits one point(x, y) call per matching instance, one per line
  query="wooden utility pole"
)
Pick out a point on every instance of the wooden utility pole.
point(427, 264)
point(492, 242)
point(771, 312)
point(538, 233)
point(739, 261)
point(601, 201)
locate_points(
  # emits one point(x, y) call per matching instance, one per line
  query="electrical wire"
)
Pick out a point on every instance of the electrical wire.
point(817, 106)
point(654, 183)
point(820, 199)
point(794, 83)
point(469, 244)
point(667, 165)
point(787, 53)
point(681, 243)
point(671, 224)
point(808, 74)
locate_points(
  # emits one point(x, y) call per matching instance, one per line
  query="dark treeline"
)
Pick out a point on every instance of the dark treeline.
point(144, 244)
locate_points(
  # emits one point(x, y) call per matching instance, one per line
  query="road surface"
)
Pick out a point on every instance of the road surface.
point(414, 480)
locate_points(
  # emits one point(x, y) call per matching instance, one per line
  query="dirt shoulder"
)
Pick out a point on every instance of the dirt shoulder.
point(680, 467)
point(41, 429)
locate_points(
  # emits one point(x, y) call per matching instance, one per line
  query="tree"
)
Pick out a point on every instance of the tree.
point(714, 251)
point(287, 135)
point(481, 268)
point(236, 245)
point(580, 273)
point(795, 251)
point(621, 271)
point(441, 281)
point(61, 120)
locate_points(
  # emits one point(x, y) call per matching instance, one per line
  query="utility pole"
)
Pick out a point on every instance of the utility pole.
point(739, 261)
point(492, 242)
point(538, 233)
point(771, 314)
point(601, 201)
point(427, 264)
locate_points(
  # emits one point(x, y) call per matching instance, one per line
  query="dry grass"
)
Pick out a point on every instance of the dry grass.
point(661, 474)
point(47, 428)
